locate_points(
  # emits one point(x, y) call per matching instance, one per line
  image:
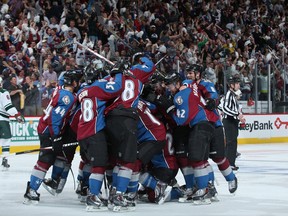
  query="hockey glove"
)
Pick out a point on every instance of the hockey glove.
point(165, 103)
point(57, 144)
point(210, 104)
point(20, 118)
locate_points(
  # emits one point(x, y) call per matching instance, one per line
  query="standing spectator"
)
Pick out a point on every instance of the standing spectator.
point(74, 29)
point(231, 118)
point(15, 93)
point(263, 84)
point(246, 85)
point(31, 96)
point(50, 75)
point(36, 81)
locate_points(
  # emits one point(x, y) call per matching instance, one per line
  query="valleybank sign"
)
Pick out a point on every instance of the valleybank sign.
point(264, 129)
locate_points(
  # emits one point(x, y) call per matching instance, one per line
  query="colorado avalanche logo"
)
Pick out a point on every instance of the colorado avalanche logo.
point(179, 100)
point(66, 100)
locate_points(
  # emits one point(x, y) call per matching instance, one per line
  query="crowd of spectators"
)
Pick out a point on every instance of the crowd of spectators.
point(227, 37)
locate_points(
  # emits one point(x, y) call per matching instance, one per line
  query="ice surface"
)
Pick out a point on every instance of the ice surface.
point(262, 177)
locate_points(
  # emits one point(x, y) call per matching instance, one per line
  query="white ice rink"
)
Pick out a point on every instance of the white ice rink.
point(262, 177)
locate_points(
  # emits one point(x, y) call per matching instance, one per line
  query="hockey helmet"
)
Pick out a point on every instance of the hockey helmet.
point(120, 67)
point(72, 75)
point(173, 78)
point(92, 73)
point(195, 68)
point(136, 57)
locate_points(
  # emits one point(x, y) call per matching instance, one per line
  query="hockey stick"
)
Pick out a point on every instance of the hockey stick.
point(93, 52)
point(127, 72)
point(161, 59)
point(36, 150)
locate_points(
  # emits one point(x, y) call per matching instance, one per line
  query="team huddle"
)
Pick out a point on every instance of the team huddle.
point(136, 130)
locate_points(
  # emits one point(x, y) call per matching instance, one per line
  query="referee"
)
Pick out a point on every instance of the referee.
point(231, 117)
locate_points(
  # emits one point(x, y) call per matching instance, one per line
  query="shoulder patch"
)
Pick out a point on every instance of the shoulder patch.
point(66, 100)
point(179, 100)
point(8, 97)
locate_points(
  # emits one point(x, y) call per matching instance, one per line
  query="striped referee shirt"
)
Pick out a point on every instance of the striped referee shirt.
point(230, 106)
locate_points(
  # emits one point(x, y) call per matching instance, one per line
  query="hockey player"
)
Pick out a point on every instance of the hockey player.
point(62, 164)
point(152, 140)
point(92, 73)
point(190, 111)
point(121, 120)
point(175, 153)
point(6, 110)
point(91, 134)
point(50, 130)
point(217, 146)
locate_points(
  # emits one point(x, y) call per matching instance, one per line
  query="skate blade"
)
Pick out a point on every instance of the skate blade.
point(30, 202)
point(214, 199)
point(202, 202)
point(96, 209)
point(165, 195)
point(114, 208)
point(185, 200)
point(50, 190)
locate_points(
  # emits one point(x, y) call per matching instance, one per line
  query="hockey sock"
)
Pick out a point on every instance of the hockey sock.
point(133, 184)
point(38, 173)
point(123, 179)
point(188, 173)
point(5, 146)
point(175, 194)
point(84, 173)
point(96, 180)
point(201, 174)
point(210, 173)
point(148, 180)
point(225, 168)
point(65, 171)
point(58, 168)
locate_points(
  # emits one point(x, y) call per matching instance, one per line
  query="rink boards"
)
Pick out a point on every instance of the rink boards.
point(259, 129)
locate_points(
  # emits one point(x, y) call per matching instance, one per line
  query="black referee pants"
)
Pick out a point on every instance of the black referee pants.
point(231, 134)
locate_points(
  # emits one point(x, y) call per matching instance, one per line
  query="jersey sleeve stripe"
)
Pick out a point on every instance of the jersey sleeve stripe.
point(8, 107)
point(4, 115)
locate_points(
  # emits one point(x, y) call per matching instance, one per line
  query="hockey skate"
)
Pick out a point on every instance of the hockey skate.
point(5, 163)
point(82, 191)
point(51, 186)
point(200, 197)
point(131, 198)
point(212, 193)
point(233, 185)
point(94, 203)
point(31, 196)
point(162, 191)
point(118, 203)
point(187, 194)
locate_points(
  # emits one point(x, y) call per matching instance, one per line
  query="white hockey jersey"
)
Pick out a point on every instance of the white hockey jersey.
point(6, 107)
